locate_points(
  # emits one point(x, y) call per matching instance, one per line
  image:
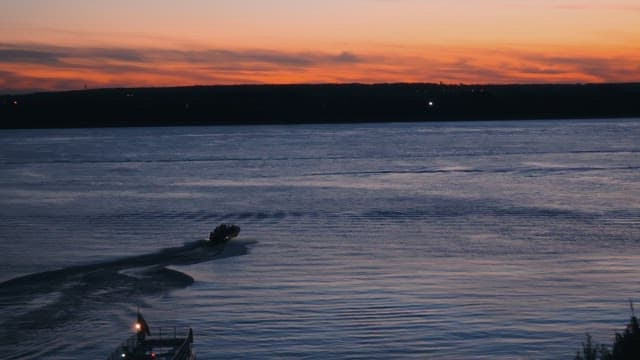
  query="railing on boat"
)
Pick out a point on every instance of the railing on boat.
point(184, 352)
point(160, 337)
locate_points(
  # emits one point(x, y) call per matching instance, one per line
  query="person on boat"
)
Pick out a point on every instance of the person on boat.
point(142, 328)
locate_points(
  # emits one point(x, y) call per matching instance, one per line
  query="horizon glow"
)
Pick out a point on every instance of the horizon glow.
point(65, 44)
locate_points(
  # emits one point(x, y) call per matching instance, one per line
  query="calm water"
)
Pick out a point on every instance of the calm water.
point(494, 240)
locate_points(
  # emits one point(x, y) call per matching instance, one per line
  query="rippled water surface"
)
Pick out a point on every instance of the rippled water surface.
point(480, 240)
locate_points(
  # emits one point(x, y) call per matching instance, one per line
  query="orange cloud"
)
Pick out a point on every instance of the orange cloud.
point(29, 67)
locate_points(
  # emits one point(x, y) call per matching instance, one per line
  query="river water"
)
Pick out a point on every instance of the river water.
point(475, 240)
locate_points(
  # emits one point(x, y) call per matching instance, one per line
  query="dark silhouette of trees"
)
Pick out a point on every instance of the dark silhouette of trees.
point(626, 345)
point(328, 103)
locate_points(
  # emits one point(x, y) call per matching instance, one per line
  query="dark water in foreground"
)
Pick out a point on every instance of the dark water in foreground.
point(494, 240)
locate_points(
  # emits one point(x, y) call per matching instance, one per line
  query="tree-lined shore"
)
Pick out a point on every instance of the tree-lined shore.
point(329, 103)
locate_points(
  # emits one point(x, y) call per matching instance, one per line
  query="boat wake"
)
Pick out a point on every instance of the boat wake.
point(52, 298)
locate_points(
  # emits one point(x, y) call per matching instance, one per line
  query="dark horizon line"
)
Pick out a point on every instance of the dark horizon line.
point(27, 92)
point(317, 103)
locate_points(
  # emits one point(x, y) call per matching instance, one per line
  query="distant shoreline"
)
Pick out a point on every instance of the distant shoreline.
point(306, 104)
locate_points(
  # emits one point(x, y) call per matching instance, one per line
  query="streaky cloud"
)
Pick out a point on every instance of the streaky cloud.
point(49, 67)
point(59, 55)
point(258, 56)
point(30, 56)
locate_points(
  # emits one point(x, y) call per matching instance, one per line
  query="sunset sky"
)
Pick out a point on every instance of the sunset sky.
point(65, 44)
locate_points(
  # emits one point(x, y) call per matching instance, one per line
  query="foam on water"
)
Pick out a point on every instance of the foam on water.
point(61, 298)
